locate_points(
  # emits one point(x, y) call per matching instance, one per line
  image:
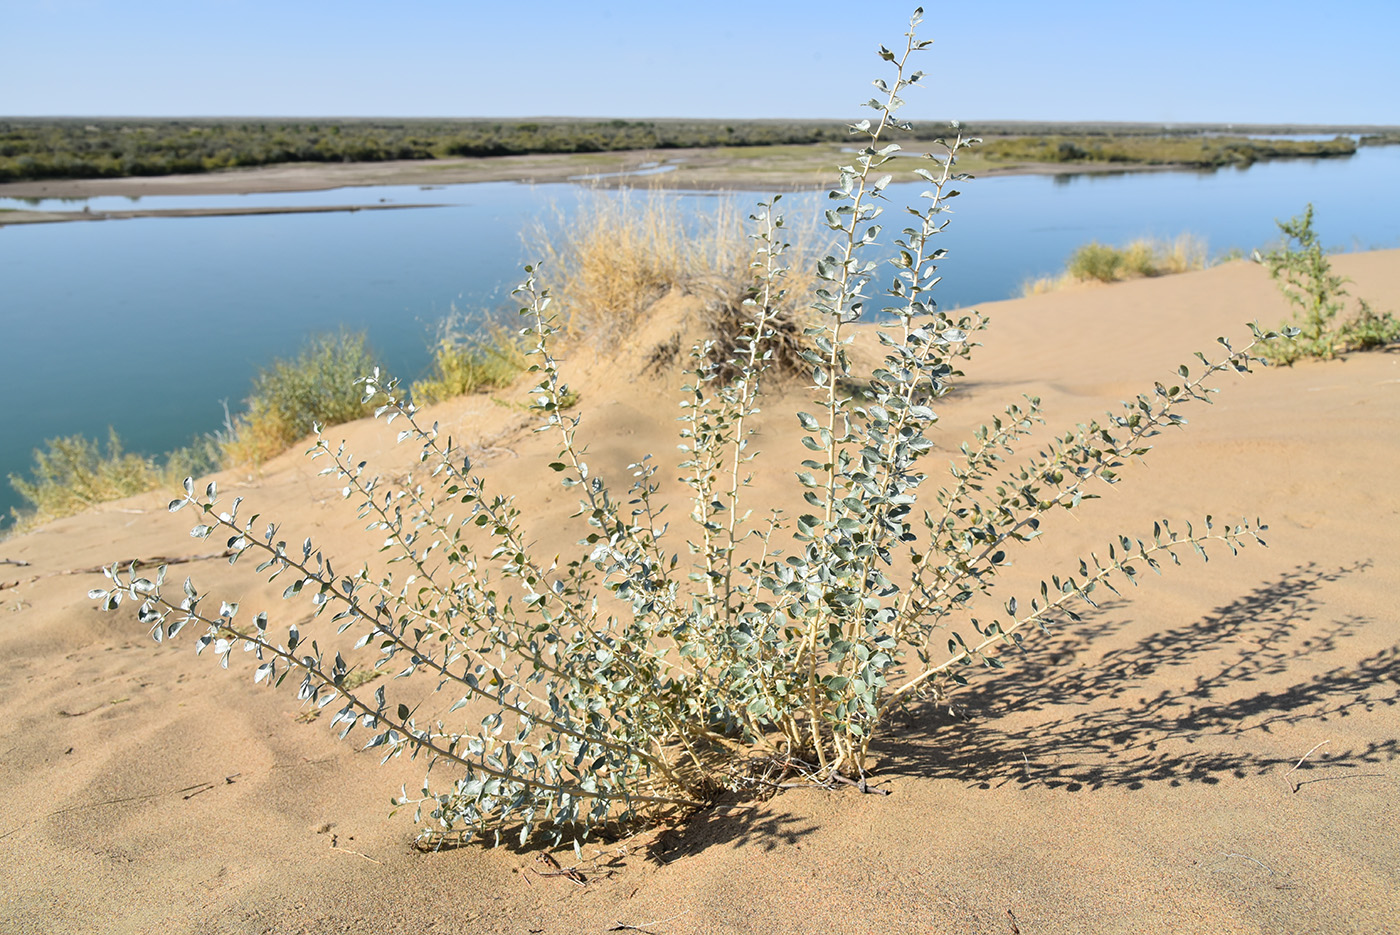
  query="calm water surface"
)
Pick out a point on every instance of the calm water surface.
point(147, 324)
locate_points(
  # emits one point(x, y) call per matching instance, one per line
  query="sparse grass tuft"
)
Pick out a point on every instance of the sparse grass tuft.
point(1370, 329)
point(290, 397)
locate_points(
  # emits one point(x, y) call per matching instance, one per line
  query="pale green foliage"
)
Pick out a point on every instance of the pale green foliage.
point(1305, 276)
point(654, 667)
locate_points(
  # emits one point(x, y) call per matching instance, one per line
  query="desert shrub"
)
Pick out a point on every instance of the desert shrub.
point(664, 661)
point(487, 359)
point(1317, 294)
point(1369, 329)
point(73, 473)
point(290, 397)
point(1096, 261)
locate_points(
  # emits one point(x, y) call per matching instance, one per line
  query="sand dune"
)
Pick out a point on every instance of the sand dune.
point(1132, 773)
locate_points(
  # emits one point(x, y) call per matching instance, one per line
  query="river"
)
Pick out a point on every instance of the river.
point(147, 324)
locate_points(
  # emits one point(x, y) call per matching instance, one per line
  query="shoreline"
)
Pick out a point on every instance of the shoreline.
point(777, 169)
point(58, 217)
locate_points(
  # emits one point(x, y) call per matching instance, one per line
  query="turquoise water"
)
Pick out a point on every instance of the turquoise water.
point(147, 324)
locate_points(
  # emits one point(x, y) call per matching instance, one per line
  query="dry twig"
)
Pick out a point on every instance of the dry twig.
point(1298, 785)
point(572, 874)
point(337, 847)
point(645, 926)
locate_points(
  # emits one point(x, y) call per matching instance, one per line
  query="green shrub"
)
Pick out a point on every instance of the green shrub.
point(653, 666)
point(291, 397)
point(1317, 294)
point(1370, 329)
point(1097, 261)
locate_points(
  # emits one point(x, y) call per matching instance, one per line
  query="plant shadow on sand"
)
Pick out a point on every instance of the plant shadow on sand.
point(1074, 720)
point(735, 820)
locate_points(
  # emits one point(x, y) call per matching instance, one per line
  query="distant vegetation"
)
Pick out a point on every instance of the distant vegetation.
point(1202, 151)
point(111, 148)
point(45, 148)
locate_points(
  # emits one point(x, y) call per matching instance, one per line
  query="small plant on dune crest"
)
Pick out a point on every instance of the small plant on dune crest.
point(1304, 273)
point(1370, 329)
point(650, 669)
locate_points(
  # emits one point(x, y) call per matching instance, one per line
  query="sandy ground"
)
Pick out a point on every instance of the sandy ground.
point(1132, 773)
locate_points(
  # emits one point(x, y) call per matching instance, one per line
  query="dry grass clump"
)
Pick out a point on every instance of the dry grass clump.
point(471, 362)
point(620, 254)
point(1096, 262)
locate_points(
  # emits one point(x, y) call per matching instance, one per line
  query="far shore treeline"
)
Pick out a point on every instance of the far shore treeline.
point(48, 148)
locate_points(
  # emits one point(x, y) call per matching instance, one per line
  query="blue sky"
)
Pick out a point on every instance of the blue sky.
point(1181, 61)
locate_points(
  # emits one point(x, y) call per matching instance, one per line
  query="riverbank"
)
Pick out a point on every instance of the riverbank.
point(52, 217)
point(1217, 754)
point(766, 168)
point(776, 168)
